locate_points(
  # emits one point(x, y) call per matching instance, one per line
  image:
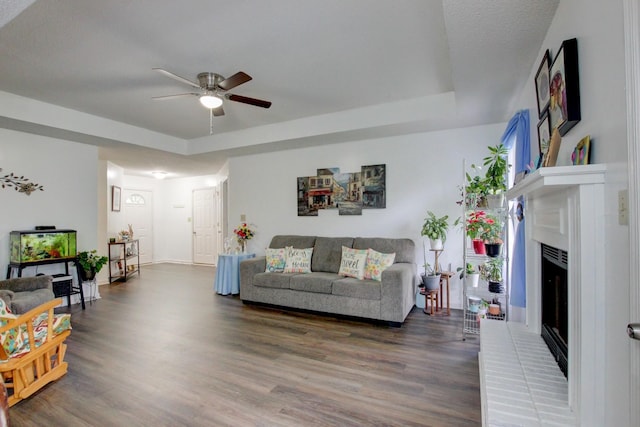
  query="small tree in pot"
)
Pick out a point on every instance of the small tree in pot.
point(495, 179)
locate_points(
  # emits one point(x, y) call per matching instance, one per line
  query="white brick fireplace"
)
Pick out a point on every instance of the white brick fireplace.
point(564, 208)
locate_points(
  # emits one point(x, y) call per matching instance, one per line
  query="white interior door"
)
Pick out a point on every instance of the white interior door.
point(205, 226)
point(138, 211)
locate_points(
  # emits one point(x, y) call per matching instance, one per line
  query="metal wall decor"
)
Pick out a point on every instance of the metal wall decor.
point(19, 183)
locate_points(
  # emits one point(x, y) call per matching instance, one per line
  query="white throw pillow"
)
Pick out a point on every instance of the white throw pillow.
point(298, 261)
point(353, 262)
point(377, 262)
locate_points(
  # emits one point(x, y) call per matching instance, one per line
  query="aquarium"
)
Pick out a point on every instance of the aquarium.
point(42, 245)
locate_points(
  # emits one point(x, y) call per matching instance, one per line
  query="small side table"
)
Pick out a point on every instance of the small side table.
point(228, 273)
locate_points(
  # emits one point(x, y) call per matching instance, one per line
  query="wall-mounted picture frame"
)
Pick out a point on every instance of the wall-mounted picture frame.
point(564, 88)
point(554, 147)
point(544, 137)
point(542, 84)
point(580, 155)
point(115, 198)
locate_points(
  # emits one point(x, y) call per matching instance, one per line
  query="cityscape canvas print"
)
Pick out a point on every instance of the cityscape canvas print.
point(348, 192)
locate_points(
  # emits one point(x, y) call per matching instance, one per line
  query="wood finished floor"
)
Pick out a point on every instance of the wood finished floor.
point(165, 350)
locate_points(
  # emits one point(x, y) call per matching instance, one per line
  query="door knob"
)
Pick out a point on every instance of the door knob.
point(633, 329)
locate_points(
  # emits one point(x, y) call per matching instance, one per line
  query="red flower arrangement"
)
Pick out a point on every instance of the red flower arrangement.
point(244, 232)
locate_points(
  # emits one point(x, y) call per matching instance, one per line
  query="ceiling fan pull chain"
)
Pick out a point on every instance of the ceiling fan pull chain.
point(210, 121)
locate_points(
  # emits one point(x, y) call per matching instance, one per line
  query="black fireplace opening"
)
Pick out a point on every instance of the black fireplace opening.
point(555, 304)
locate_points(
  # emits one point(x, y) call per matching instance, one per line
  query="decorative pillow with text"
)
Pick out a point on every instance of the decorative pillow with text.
point(353, 262)
point(377, 262)
point(276, 260)
point(298, 261)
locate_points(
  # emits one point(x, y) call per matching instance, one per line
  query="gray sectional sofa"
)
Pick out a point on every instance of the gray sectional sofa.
point(323, 290)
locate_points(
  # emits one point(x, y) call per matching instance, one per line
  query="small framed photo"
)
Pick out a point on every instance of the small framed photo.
point(115, 198)
point(544, 136)
point(554, 148)
point(519, 177)
point(580, 155)
point(564, 88)
point(542, 84)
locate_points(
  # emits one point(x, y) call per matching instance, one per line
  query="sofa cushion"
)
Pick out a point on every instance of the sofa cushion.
point(377, 262)
point(404, 248)
point(298, 260)
point(315, 282)
point(354, 288)
point(269, 280)
point(276, 260)
point(327, 253)
point(299, 242)
point(25, 301)
point(353, 262)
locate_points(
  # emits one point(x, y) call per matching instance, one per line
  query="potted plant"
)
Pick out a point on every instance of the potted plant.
point(430, 279)
point(475, 224)
point(471, 276)
point(91, 264)
point(495, 179)
point(475, 190)
point(491, 271)
point(491, 235)
point(435, 229)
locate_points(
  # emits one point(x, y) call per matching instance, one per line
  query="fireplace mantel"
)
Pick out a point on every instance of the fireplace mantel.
point(564, 207)
point(553, 179)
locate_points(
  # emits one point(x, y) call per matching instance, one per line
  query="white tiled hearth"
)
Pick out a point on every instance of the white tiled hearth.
point(522, 383)
point(564, 208)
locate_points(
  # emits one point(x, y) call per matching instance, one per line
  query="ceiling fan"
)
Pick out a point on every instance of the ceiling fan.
point(213, 89)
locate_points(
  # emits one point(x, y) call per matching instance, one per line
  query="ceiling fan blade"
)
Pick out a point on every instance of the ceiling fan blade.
point(180, 95)
point(247, 100)
point(218, 111)
point(236, 80)
point(176, 77)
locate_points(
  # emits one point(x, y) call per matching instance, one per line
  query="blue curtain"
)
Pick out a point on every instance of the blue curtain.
point(518, 135)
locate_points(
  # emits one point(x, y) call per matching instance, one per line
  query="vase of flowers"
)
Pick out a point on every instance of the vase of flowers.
point(243, 233)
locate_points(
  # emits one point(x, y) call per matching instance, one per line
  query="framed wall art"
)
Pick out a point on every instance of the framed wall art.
point(554, 147)
point(544, 137)
point(564, 88)
point(580, 155)
point(542, 84)
point(115, 198)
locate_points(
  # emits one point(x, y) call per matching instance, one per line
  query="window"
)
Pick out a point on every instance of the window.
point(135, 199)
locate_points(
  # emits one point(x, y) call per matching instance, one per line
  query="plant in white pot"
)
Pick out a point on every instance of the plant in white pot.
point(495, 179)
point(430, 279)
point(436, 230)
point(471, 276)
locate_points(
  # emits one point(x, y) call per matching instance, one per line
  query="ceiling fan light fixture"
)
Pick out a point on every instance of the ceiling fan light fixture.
point(210, 101)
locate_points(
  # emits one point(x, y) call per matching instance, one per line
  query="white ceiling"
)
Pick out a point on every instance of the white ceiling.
point(335, 70)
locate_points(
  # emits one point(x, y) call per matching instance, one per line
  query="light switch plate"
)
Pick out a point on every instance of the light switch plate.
point(243, 217)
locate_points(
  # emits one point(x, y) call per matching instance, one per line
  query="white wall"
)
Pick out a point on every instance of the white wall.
point(423, 173)
point(68, 172)
point(172, 214)
point(598, 26)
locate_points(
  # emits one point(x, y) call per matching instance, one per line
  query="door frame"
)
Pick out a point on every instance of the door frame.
point(632, 64)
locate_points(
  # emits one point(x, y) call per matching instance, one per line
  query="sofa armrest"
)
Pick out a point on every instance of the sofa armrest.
point(25, 284)
point(248, 269)
point(398, 289)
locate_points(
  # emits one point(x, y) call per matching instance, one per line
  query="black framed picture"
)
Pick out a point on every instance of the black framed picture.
point(542, 84)
point(564, 88)
point(544, 136)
